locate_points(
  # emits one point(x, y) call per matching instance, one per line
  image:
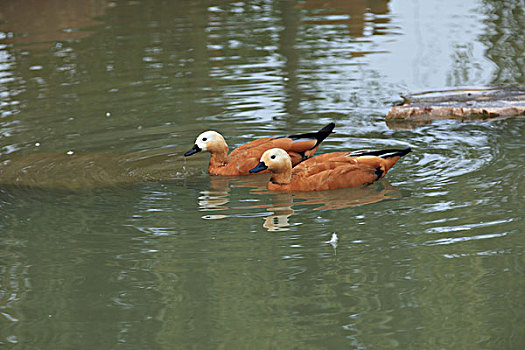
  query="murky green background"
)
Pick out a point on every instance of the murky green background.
point(110, 239)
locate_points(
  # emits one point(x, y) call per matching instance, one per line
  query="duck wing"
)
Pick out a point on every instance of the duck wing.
point(336, 170)
point(298, 146)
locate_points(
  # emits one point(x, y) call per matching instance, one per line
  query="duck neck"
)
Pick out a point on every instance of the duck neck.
point(219, 156)
point(282, 178)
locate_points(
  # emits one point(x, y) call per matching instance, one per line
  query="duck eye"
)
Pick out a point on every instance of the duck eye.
point(272, 156)
point(204, 139)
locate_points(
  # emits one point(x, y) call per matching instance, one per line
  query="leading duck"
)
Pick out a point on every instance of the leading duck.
point(327, 171)
point(239, 162)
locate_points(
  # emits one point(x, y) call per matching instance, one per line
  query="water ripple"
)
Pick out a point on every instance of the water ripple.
point(444, 229)
point(452, 240)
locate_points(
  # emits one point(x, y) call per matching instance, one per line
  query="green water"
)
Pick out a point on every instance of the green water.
point(110, 238)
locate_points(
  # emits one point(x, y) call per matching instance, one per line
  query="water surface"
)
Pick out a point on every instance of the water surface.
point(110, 238)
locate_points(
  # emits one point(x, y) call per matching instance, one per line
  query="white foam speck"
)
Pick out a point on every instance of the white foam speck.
point(333, 241)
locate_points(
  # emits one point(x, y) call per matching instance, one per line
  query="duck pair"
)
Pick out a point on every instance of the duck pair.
point(292, 164)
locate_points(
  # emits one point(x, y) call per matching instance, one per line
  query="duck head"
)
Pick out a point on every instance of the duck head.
point(277, 161)
point(209, 141)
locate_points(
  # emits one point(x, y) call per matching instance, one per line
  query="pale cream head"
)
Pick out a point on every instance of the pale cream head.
point(210, 140)
point(277, 160)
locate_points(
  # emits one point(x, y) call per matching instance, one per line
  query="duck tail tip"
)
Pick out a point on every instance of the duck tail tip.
point(324, 132)
point(396, 153)
point(329, 128)
point(319, 135)
point(385, 153)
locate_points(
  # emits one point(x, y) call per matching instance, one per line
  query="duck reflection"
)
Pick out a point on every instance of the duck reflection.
point(277, 214)
point(349, 197)
point(278, 220)
point(213, 200)
point(218, 196)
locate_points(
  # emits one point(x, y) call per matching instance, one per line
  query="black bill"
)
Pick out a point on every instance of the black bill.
point(194, 150)
point(259, 167)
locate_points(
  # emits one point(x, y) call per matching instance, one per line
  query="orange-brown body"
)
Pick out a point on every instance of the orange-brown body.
point(242, 159)
point(327, 171)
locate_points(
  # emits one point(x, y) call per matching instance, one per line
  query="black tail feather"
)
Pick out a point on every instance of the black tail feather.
point(319, 136)
point(385, 153)
point(325, 131)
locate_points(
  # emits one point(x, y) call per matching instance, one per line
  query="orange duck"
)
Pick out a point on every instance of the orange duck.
point(245, 157)
point(327, 171)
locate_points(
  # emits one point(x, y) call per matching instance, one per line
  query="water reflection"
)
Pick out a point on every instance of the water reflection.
point(278, 220)
point(218, 196)
point(278, 212)
point(504, 38)
point(363, 17)
point(37, 25)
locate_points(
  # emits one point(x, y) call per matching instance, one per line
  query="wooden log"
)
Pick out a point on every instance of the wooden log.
point(461, 104)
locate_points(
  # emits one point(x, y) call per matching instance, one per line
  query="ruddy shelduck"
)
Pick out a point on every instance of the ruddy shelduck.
point(327, 171)
point(239, 162)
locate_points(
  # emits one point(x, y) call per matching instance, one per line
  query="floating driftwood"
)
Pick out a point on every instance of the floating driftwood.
point(461, 104)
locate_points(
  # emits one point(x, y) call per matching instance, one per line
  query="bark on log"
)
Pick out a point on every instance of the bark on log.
point(461, 104)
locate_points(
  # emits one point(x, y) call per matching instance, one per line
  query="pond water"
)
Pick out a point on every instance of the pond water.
point(110, 238)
